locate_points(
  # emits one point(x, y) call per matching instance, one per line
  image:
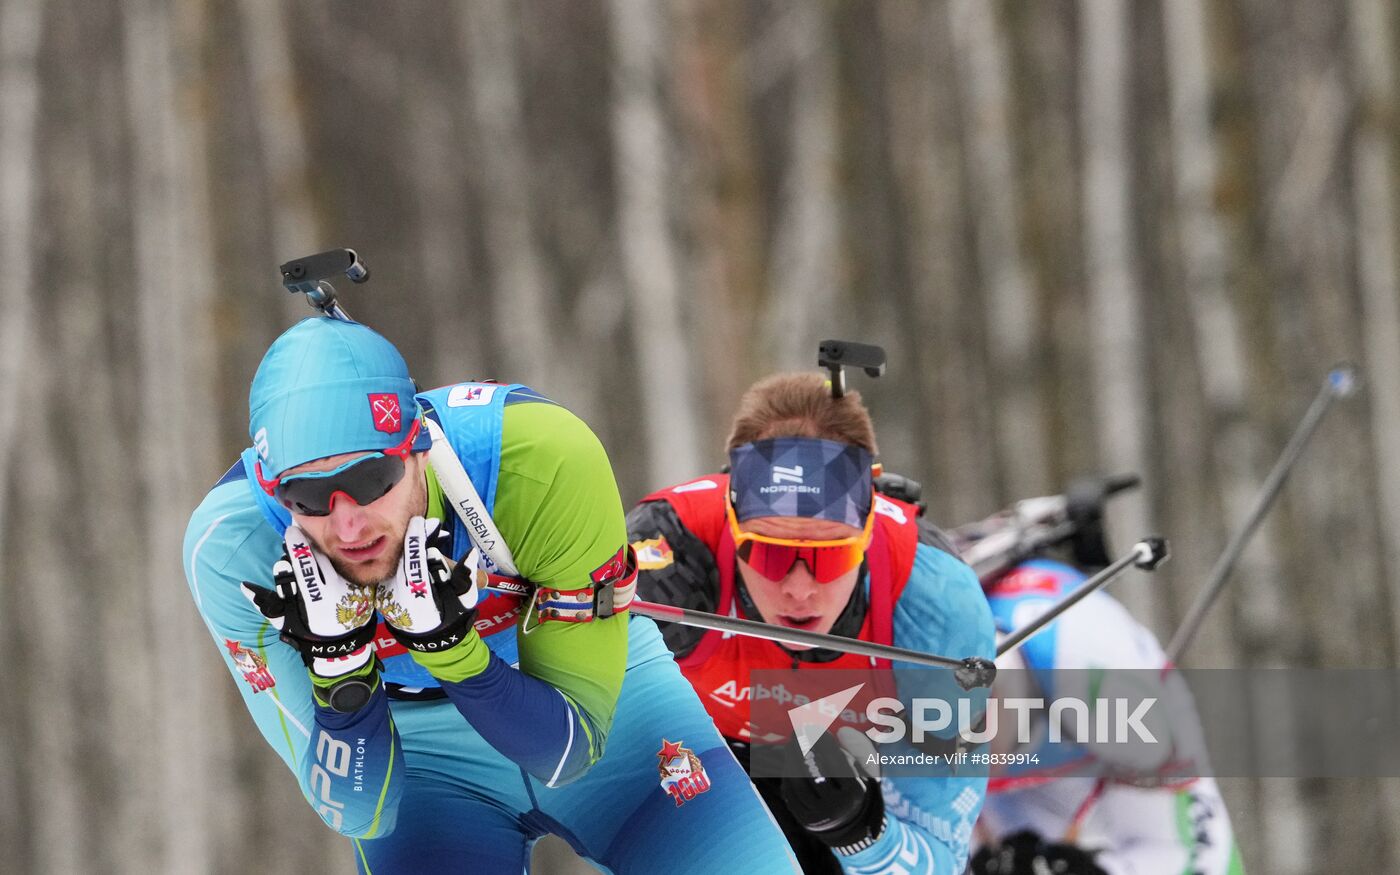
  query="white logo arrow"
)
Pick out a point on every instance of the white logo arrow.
point(809, 721)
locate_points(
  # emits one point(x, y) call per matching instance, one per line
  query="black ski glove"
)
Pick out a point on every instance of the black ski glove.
point(837, 802)
point(1026, 853)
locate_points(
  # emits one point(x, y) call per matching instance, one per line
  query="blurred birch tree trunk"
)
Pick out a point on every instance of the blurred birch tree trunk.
point(456, 335)
point(1120, 386)
point(1012, 312)
point(294, 229)
point(926, 147)
point(804, 275)
point(724, 62)
point(1232, 449)
point(521, 303)
point(650, 265)
point(1372, 48)
point(21, 25)
point(1044, 52)
point(21, 29)
point(1373, 186)
point(169, 223)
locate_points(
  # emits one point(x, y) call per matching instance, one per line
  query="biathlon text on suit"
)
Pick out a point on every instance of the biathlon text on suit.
point(828, 555)
point(420, 718)
point(1117, 828)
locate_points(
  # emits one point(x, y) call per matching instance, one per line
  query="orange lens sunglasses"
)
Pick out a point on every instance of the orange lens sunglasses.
point(774, 557)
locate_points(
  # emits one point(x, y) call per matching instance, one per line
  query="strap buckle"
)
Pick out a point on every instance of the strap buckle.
point(600, 599)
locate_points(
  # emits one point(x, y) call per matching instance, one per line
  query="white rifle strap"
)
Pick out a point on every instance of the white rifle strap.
point(465, 500)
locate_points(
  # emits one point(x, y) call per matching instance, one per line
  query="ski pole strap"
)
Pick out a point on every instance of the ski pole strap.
point(1146, 554)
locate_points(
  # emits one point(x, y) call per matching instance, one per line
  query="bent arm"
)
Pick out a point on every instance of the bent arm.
point(349, 766)
point(557, 506)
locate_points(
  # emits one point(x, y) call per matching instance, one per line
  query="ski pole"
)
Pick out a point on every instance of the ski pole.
point(1146, 554)
point(973, 671)
point(1340, 382)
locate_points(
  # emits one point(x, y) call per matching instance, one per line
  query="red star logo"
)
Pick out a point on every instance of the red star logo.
point(669, 750)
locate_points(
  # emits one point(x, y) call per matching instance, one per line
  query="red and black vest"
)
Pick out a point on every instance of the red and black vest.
point(719, 666)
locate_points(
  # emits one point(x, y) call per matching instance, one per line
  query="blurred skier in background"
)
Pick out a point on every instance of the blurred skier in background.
point(1113, 816)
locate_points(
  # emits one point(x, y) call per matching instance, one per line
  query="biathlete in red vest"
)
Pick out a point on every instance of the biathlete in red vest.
point(797, 535)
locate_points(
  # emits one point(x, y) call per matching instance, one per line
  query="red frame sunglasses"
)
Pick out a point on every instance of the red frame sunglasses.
point(363, 480)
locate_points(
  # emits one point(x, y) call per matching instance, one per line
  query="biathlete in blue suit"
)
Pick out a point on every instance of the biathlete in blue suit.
point(437, 710)
point(796, 535)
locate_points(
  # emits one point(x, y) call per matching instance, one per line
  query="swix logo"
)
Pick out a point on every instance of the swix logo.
point(260, 443)
point(787, 475)
point(507, 585)
point(384, 407)
point(413, 561)
point(310, 572)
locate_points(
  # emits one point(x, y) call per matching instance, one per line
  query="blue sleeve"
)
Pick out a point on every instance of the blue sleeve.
point(349, 767)
point(929, 820)
point(500, 701)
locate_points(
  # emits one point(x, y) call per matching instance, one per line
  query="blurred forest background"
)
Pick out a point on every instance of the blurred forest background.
point(1093, 236)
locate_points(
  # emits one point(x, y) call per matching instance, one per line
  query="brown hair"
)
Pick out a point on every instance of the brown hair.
point(800, 405)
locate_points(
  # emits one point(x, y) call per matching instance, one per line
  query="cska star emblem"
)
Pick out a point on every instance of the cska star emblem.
point(251, 665)
point(682, 774)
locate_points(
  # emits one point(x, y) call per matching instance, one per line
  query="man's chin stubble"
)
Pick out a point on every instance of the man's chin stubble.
point(362, 575)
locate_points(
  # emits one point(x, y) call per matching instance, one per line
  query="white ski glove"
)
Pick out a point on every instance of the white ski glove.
point(430, 604)
point(327, 619)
